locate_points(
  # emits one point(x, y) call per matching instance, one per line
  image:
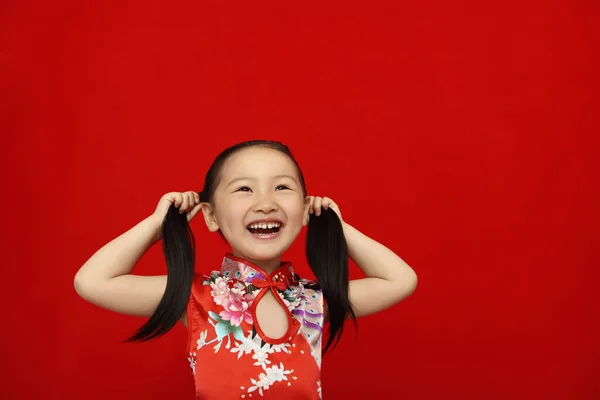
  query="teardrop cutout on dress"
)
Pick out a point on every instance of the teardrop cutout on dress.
point(272, 319)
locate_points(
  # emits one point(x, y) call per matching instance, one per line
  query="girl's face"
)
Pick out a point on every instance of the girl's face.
point(258, 205)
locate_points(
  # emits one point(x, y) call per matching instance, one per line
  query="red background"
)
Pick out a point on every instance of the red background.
point(463, 135)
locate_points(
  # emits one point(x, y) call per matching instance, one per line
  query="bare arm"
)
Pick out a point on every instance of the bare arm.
point(106, 279)
point(389, 279)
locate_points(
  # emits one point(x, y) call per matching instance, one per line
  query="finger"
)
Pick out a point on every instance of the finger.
point(317, 206)
point(184, 203)
point(178, 199)
point(326, 203)
point(191, 201)
point(196, 197)
point(310, 204)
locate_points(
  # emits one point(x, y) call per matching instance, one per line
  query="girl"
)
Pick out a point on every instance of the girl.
point(254, 326)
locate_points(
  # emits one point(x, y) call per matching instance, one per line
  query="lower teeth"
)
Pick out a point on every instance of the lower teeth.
point(263, 231)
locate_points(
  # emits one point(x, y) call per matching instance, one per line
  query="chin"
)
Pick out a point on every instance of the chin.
point(265, 255)
point(262, 251)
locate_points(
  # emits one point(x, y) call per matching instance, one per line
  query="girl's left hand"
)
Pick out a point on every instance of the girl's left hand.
point(317, 202)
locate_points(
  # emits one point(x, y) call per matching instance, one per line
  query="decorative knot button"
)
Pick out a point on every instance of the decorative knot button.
point(262, 283)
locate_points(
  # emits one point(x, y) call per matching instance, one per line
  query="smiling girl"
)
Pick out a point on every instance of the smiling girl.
point(254, 325)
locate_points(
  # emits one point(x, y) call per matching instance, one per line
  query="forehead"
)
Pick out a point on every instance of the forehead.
point(257, 162)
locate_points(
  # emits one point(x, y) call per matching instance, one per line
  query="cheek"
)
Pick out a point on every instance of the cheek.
point(229, 216)
point(296, 211)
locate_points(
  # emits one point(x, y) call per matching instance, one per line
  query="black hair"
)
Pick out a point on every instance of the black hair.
point(326, 253)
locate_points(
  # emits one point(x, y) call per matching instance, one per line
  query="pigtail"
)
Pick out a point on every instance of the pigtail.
point(327, 255)
point(180, 250)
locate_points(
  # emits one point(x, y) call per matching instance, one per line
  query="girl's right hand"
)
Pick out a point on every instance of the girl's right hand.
point(187, 202)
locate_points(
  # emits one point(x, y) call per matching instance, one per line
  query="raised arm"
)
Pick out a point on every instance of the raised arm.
point(388, 280)
point(106, 279)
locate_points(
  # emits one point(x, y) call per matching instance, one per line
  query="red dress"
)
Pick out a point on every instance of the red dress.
point(230, 356)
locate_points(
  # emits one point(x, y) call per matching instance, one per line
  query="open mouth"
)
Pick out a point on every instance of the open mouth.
point(265, 229)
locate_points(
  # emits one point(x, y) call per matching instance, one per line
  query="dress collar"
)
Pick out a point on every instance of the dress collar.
point(238, 268)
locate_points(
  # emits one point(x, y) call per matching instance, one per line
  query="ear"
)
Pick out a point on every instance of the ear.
point(209, 217)
point(307, 203)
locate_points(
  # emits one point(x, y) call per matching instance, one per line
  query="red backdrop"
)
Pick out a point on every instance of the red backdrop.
point(463, 135)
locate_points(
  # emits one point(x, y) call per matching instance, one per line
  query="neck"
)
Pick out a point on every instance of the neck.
point(266, 265)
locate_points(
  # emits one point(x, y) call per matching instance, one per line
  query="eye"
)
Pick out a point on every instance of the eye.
point(243, 189)
point(283, 187)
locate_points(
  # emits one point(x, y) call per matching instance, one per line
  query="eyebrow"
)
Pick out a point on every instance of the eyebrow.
point(242, 178)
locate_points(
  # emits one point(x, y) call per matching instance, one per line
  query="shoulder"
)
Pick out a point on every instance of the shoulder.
point(309, 285)
point(311, 292)
point(200, 294)
point(202, 281)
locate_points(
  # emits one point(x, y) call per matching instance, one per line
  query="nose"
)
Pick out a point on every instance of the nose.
point(265, 203)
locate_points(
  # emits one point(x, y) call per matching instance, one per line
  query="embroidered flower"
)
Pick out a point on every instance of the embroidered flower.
point(192, 360)
point(237, 308)
point(281, 347)
point(219, 290)
point(202, 340)
point(277, 373)
point(238, 287)
point(261, 355)
point(292, 297)
point(217, 346)
point(245, 346)
point(268, 378)
point(262, 383)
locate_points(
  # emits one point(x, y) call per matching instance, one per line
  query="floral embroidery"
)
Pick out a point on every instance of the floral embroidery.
point(202, 340)
point(231, 314)
point(268, 378)
point(237, 308)
point(192, 360)
point(245, 346)
point(292, 297)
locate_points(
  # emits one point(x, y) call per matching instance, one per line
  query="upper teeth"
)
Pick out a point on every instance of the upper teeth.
point(268, 225)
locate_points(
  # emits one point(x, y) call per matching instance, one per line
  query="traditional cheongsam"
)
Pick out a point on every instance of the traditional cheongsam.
point(230, 356)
